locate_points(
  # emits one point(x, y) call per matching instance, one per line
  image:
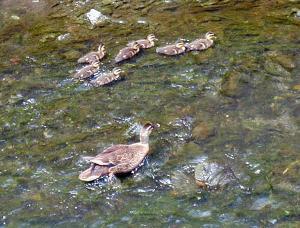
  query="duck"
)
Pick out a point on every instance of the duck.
point(173, 49)
point(120, 158)
point(145, 43)
point(202, 43)
point(87, 71)
point(107, 78)
point(94, 56)
point(128, 52)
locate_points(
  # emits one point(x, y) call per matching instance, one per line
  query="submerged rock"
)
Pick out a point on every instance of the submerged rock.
point(232, 84)
point(262, 203)
point(213, 175)
point(275, 69)
point(203, 131)
point(183, 184)
point(285, 61)
point(279, 64)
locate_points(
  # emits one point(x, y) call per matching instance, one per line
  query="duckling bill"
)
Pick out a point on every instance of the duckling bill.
point(107, 78)
point(127, 52)
point(87, 71)
point(120, 158)
point(94, 56)
point(145, 43)
point(202, 43)
point(173, 49)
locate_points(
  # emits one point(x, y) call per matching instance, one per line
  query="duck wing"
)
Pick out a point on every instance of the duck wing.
point(143, 43)
point(125, 53)
point(89, 58)
point(170, 50)
point(199, 45)
point(122, 154)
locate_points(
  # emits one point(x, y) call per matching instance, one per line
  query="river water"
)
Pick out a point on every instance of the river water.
point(236, 103)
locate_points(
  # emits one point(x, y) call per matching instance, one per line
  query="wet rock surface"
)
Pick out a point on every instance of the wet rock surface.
point(212, 175)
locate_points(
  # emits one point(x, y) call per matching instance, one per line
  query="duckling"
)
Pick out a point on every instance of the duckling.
point(120, 158)
point(173, 49)
point(127, 52)
point(202, 43)
point(145, 43)
point(107, 78)
point(87, 71)
point(94, 56)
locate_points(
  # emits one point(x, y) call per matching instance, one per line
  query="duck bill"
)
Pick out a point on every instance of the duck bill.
point(156, 126)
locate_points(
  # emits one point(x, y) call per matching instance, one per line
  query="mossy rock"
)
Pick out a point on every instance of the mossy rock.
point(233, 84)
point(203, 130)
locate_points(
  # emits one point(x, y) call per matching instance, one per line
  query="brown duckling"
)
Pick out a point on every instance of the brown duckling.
point(173, 49)
point(202, 43)
point(119, 159)
point(87, 71)
point(127, 52)
point(145, 43)
point(107, 78)
point(94, 56)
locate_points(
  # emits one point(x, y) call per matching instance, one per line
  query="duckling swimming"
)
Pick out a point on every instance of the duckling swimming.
point(87, 71)
point(173, 49)
point(145, 43)
point(94, 56)
point(120, 158)
point(127, 52)
point(107, 78)
point(202, 43)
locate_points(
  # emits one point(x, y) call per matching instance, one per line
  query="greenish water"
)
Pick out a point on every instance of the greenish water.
point(236, 103)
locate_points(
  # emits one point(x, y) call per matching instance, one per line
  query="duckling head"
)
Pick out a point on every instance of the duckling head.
point(96, 64)
point(180, 45)
point(135, 45)
point(146, 131)
point(151, 37)
point(210, 36)
point(117, 71)
point(101, 48)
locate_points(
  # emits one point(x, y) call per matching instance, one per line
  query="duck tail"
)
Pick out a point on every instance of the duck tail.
point(94, 172)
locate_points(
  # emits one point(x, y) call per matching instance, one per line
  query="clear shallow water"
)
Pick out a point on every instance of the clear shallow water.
point(236, 103)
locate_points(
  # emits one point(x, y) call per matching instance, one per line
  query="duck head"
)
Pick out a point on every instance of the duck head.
point(210, 36)
point(146, 131)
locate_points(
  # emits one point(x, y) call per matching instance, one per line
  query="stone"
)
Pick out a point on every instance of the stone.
point(276, 69)
point(213, 175)
point(72, 54)
point(203, 130)
point(285, 61)
point(64, 37)
point(95, 16)
point(296, 87)
point(232, 84)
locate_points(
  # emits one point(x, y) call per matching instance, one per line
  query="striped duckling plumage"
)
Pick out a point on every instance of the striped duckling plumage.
point(173, 49)
point(145, 43)
point(120, 158)
point(127, 52)
point(202, 43)
point(87, 71)
point(107, 78)
point(94, 56)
